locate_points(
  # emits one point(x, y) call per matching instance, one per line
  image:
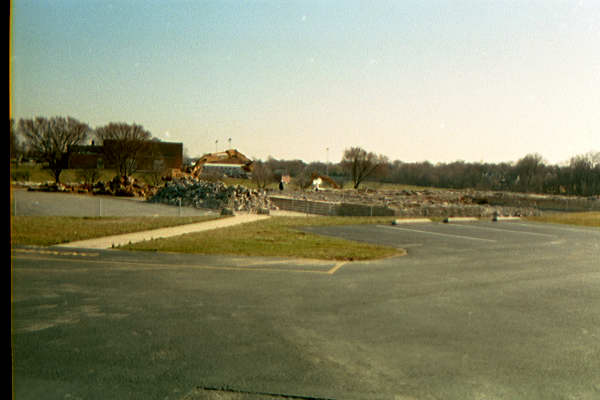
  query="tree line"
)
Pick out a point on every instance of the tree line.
point(49, 140)
point(581, 176)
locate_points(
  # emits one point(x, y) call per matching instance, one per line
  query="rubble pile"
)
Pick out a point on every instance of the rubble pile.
point(192, 192)
point(48, 187)
point(413, 203)
point(124, 186)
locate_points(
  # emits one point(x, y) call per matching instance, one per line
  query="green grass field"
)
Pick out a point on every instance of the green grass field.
point(48, 231)
point(276, 236)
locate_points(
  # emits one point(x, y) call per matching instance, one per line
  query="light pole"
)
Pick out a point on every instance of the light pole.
point(327, 164)
point(217, 146)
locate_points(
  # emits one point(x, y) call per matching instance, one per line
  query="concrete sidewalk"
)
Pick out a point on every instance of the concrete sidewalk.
point(124, 239)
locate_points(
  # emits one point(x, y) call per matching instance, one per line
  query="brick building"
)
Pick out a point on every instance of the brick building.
point(156, 156)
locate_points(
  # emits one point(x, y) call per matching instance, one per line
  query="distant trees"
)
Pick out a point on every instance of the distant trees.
point(262, 174)
point(584, 174)
point(360, 164)
point(285, 167)
point(49, 139)
point(581, 176)
point(123, 144)
point(529, 174)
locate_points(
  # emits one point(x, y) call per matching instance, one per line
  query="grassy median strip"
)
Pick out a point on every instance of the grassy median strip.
point(589, 218)
point(47, 231)
point(276, 236)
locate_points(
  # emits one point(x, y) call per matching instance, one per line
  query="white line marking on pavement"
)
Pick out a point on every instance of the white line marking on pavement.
point(562, 227)
point(504, 230)
point(128, 265)
point(439, 234)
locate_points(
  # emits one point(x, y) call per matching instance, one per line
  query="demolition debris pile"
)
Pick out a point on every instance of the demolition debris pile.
point(122, 186)
point(185, 190)
point(430, 203)
point(192, 192)
point(125, 186)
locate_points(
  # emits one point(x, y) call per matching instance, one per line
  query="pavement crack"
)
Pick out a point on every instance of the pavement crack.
point(253, 394)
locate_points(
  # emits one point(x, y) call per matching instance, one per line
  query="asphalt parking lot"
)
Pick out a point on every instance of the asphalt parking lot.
point(478, 310)
point(450, 238)
point(78, 205)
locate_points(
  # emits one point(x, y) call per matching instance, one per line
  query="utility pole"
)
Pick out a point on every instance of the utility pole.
point(217, 146)
point(229, 140)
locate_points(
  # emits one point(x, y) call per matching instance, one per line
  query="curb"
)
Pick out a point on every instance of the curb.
point(496, 219)
point(109, 242)
point(411, 221)
point(460, 219)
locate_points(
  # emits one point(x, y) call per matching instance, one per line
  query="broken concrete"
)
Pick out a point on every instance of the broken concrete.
point(122, 186)
point(428, 203)
point(189, 191)
point(192, 192)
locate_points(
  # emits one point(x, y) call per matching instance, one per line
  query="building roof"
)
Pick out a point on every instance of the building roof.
point(230, 157)
point(224, 157)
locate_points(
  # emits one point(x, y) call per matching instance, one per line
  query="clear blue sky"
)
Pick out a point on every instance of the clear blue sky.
point(414, 80)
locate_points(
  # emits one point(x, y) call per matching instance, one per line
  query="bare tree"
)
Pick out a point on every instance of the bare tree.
point(360, 164)
point(304, 179)
point(123, 144)
point(49, 139)
point(584, 177)
point(261, 174)
point(529, 170)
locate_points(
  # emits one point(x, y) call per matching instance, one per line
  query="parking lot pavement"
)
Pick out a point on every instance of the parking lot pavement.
point(76, 205)
point(446, 238)
point(512, 315)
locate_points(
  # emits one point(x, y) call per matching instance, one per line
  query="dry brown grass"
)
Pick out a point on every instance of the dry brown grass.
point(590, 218)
